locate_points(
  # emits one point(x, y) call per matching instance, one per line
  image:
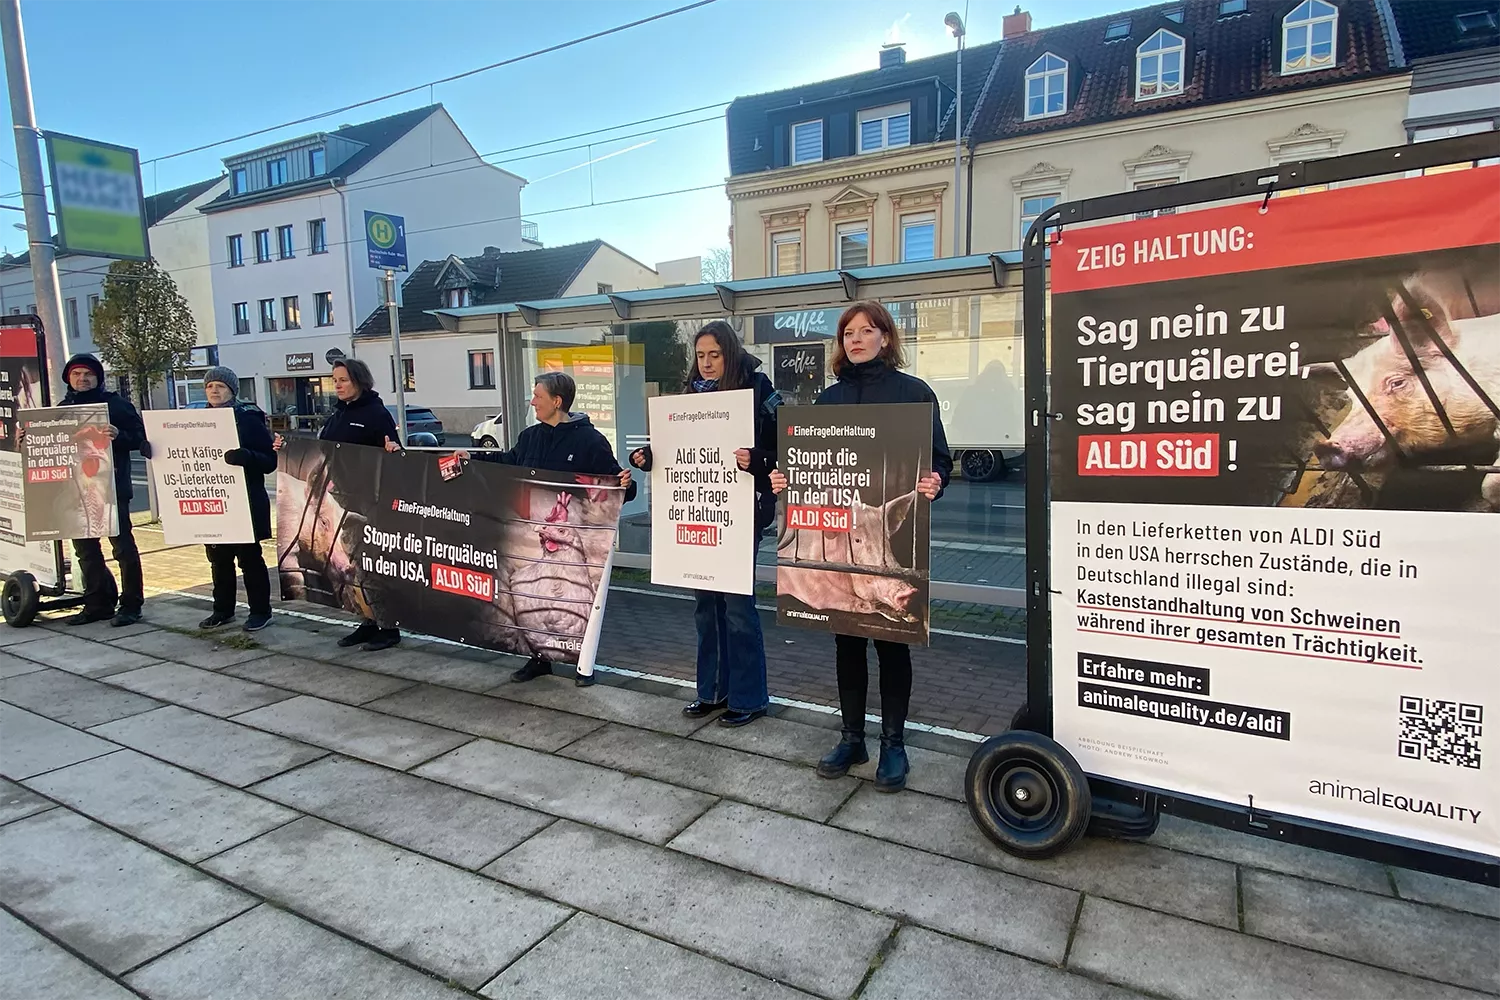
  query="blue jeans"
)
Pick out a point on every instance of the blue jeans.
point(731, 651)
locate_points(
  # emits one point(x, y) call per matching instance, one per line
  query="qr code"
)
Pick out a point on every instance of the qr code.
point(1443, 732)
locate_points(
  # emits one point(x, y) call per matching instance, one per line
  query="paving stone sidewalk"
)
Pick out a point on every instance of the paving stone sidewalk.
point(186, 818)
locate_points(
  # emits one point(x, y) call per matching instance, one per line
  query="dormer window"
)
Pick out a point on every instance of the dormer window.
point(1046, 87)
point(1476, 20)
point(276, 172)
point(807, 142)
point(456, 298)
point(1175, 14)
point(239, 180)
point(1117, 30)
point(317, 163)
point(1158, 66)
point(1307, 35)
point(884, 128)
point(1228, 8)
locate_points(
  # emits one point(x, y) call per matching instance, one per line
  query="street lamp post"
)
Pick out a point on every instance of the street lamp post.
point(956, 25)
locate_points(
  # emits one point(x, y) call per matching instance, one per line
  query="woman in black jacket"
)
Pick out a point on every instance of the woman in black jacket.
point(866, 359)
point(359, 417)
point(257, 456)
point(731, 649)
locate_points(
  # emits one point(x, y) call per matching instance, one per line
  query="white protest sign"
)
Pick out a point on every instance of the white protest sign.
point(702, 503)
point(203, 498)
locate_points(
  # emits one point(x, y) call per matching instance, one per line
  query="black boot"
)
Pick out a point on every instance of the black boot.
point(890, 772)
point(531, 670)
point(850, 751)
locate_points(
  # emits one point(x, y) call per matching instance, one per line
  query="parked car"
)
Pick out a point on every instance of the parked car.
point(419, 419)
point(486, 433)
point(197, 404)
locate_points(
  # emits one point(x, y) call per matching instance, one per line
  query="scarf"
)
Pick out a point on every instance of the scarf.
point(705, 384)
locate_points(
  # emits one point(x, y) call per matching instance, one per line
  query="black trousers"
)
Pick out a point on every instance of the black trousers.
point(99, 592)
point(221, 559)
point(851, 658)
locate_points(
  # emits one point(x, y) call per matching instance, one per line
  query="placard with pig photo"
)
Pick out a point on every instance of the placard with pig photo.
point(500, 557)
point(702, 504)
point(1274, 479)
point(69, 468)
point(853, 553)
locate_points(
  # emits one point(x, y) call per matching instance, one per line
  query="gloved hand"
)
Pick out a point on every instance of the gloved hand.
point(234, 456)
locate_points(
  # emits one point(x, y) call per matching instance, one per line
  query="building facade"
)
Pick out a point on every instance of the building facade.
point(290, 272)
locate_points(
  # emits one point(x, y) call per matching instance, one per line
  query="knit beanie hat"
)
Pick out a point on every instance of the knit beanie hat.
point(84, 361)
point(226, 375)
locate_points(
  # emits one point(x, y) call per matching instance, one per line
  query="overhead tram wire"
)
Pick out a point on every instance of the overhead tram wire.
point(433, 83)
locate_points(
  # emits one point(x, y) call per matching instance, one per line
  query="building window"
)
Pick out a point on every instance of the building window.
point(323, 304)
point(786, 253)
point(242, 317)
point(918, 237)
point(267, 315)
point(262, 246)
point(276, 172)
point(1142, 186)
point(854, 245)
point(481, 369)
point(284, 242)
point(408, 374)
point(317, 236)
point(1175, 14)
point(93, 304)
point(239, 180)
point(317, 162)
point(1117, 30)
point(73, 319)
point(1158, 66)
point(1476, 20)
point(1307, 37)
point(291, 313)
point(456, 298)
point(605, 289)
point(1228, 7)
point(807, 142)
point(1047, 87)
point(1033, 206)
point(237, 250)
point(885, 128)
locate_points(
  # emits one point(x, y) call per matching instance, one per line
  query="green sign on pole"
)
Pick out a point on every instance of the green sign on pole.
point(96, 193)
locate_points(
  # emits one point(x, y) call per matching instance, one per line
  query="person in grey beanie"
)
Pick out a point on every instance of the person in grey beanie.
point(257, 457)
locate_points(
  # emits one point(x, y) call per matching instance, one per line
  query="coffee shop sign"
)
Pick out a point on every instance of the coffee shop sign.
point(299, 362)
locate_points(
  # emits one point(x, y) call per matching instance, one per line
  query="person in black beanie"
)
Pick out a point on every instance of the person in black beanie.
point(258, 458)
point(85, 377)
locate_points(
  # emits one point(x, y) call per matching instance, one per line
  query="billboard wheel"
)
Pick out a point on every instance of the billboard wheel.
point(1027, 794)
point(19, 600)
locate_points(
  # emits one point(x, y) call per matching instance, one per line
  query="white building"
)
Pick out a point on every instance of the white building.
point(290, 272)
point(458, 377)
point(81, 280)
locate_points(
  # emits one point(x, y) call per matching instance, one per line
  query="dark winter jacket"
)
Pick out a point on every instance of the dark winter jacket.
point(763, 453)
point(122, 414)
point(256, 456)
point(364, 420)
point(574, 445)
point(876, 382)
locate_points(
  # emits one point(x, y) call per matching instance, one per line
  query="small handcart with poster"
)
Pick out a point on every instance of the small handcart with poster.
point(34, 573)
point(1263, 514)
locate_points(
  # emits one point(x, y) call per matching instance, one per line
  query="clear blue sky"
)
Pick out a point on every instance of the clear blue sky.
point(168, 76)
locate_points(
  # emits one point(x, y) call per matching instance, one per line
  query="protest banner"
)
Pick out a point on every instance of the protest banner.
point(702, 505)
point(203, 498)
point(1273, 492)
point(69, 465)
point(852, 556)
point(20, 389)
point(497, 556)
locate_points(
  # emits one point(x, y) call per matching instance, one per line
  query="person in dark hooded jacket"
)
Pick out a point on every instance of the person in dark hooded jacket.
point(85, 377)
point(560, 441)
point(731, 647)
point(257, 456)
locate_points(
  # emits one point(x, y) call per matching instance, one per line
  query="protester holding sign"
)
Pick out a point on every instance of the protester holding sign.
point(257, 456)
point(866, 357)
point(731, 649)
point(359, 417)
point(560, 441)
point(85, 377)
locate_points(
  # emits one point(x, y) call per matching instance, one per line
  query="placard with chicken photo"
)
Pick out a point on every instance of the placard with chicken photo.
point(499, 557)
point(67, 460)
point(853, 553)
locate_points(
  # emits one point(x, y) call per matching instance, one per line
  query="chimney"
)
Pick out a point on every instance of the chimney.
point(893, 54)
point(492, 251)
point(1016, 24)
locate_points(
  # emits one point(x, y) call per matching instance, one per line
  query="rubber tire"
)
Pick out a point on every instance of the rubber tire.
point(19, 600)
point(488, 442)
point(1046, 768)
point(985, 468)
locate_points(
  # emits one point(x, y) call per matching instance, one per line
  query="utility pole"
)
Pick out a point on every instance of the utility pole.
point(956, 25)
point(398, 365)
point(33, 194)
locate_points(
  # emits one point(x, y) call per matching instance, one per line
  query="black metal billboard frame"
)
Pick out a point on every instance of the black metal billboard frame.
point(1037, 713)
